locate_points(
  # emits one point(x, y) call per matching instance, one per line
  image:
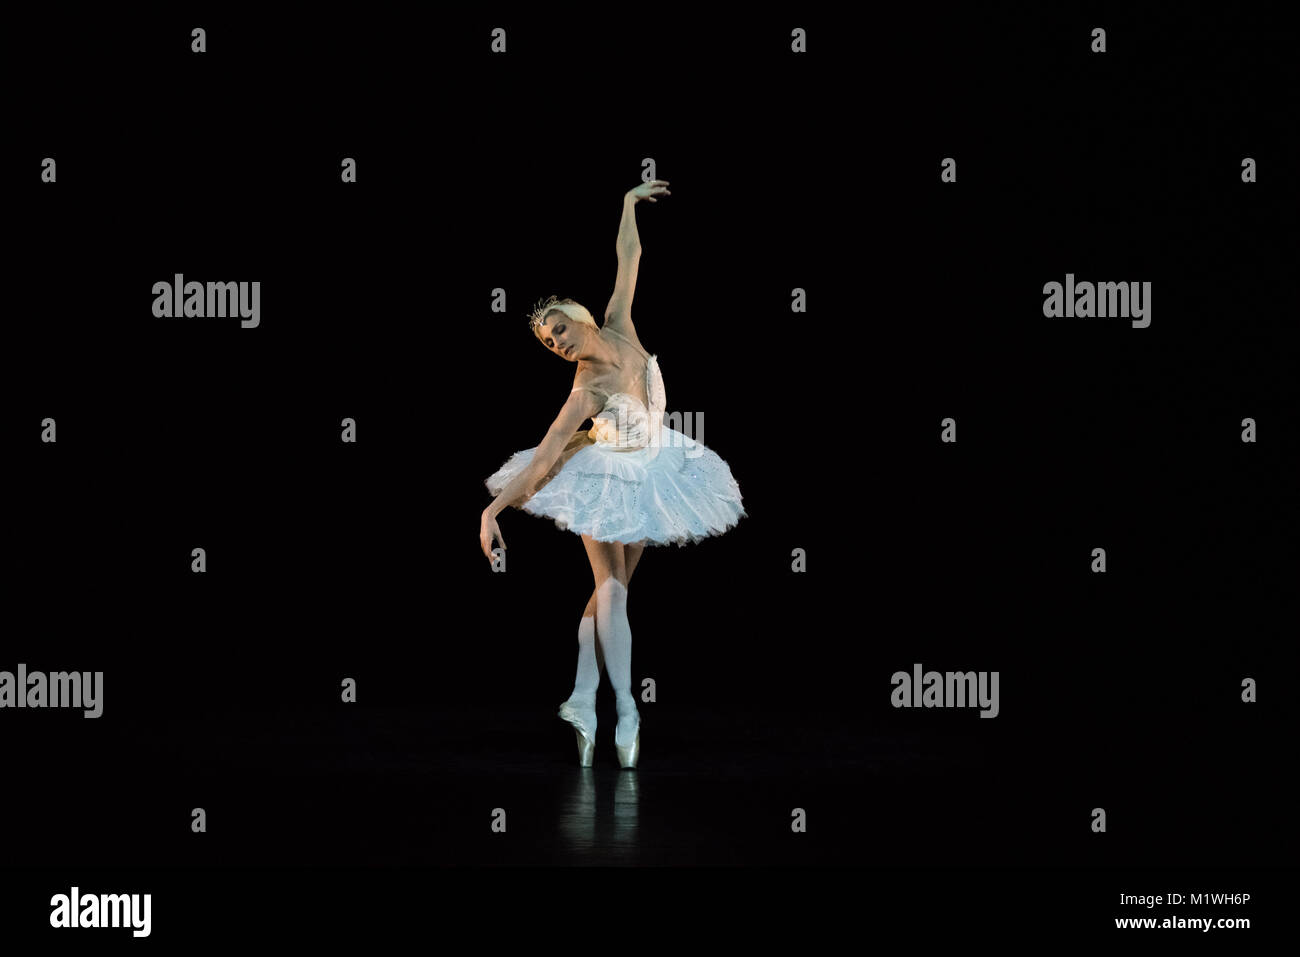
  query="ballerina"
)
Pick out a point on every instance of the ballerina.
point(627, 482)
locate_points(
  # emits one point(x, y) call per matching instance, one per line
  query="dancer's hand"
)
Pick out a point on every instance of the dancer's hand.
point(488, 530)
point(656, 187)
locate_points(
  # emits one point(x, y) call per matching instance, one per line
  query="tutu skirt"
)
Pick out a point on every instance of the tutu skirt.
point(679, 493)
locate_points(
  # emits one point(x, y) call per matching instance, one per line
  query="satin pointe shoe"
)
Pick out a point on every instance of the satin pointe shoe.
point(584, 732)
point(627, 757)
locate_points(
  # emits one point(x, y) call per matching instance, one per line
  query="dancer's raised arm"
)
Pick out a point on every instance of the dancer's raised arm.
point(628, 245)
point(580, 406)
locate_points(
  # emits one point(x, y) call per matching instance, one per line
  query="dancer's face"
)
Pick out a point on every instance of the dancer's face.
point(563, 336)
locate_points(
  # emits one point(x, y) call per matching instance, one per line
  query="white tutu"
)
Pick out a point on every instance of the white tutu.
point(608, 486)
point(630, 478)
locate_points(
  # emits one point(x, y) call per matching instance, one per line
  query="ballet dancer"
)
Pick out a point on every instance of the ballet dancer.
point(627, 482)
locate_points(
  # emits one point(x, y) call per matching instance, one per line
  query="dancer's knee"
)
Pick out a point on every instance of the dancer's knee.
point(611, 591)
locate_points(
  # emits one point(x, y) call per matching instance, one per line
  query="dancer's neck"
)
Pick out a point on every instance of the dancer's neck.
point(602, 356)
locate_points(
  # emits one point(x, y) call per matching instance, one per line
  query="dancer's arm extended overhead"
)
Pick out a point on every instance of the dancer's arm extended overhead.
point(618, 314)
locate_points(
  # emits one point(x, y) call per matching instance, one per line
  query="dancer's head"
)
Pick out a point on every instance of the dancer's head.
point(563, 326)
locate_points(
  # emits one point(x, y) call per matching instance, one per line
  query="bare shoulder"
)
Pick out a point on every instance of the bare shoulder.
point(586, 381)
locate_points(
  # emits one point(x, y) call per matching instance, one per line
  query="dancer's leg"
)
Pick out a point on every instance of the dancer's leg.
point(587, 679)
point(591, 661)
point(609, 568)
point(631, 556)
point(580, 709)
point(581, 706)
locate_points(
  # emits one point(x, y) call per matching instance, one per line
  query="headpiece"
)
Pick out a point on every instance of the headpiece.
point(567, 306)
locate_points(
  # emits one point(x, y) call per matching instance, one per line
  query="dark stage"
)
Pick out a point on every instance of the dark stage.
point(1098, 513)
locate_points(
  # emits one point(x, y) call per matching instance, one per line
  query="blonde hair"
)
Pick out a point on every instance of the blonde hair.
point(573, 310)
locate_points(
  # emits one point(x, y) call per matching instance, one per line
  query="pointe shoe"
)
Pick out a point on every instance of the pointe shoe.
point(627, 757)
point(585, 735)
point(586, 749)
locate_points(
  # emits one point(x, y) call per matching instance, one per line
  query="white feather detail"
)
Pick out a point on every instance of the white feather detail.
point(658, 398)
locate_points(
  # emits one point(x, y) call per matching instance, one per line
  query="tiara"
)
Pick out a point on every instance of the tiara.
point(540, 310)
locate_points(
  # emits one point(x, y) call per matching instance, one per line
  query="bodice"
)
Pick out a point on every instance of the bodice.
point(623, 423)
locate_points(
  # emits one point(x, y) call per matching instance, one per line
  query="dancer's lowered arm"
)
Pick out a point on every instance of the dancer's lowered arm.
point(580, 406)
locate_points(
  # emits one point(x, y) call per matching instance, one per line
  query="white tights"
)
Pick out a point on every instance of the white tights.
point(615, 637)
point(587, 679)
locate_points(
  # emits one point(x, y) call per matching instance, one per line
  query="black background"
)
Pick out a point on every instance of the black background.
point(925, 301)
